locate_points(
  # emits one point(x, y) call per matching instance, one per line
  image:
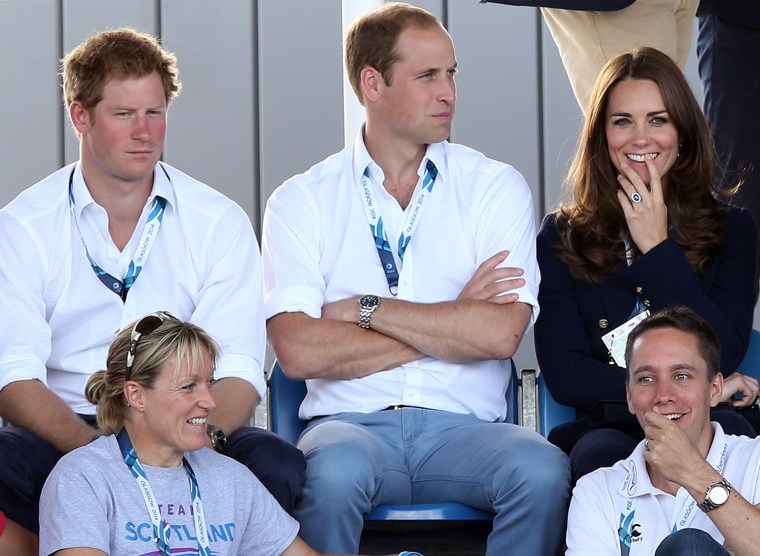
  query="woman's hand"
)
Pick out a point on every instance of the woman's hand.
point(644, 208)
point(744, 385)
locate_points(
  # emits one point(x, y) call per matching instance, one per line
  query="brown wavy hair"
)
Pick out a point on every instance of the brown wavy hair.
point(116, 54)
point(590, 226)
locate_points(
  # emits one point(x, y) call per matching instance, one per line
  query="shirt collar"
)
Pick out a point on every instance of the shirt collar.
point(637, 481)
point(162, 186)
point(435, 152)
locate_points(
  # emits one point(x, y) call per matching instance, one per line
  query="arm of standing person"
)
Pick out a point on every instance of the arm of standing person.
point(671, 453)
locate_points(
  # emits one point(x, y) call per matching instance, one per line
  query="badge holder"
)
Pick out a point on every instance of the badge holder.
point(617, 338)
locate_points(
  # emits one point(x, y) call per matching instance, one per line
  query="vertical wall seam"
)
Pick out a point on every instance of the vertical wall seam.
point(541, 114)
point(256, 123)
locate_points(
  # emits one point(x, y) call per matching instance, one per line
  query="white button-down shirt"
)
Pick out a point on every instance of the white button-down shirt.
point(204, 267)
point(318, 248)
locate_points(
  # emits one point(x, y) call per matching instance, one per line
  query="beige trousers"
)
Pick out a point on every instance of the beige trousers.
point(587, 40)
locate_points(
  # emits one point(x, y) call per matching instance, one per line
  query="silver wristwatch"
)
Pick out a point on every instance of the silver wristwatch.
point(217, 436)
point(717, 494)
point(367, 306)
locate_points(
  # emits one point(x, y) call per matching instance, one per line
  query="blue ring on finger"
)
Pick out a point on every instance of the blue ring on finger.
point(635, 197)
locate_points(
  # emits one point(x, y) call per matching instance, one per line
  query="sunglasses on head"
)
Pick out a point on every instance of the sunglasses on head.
point(146, 325)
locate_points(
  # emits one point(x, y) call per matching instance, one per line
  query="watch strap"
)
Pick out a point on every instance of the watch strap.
point(708, 505)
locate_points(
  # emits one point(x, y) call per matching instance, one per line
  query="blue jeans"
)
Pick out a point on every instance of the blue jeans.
point(690, 542)
point(355, 462)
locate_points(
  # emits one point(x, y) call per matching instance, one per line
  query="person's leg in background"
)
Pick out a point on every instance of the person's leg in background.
point(587, 40)
point(276, 462)
point(730, 73)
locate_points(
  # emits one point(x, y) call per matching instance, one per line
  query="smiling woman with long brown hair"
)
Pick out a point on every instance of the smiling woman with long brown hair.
point(645, 230)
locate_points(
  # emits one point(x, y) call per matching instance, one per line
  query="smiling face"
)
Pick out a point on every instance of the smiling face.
point(417, 107)
point(175, 413)
point(122, 137)
point(669, 376)
point(638, 126)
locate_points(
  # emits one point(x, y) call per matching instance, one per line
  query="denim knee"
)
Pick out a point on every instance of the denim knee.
point(690, 542)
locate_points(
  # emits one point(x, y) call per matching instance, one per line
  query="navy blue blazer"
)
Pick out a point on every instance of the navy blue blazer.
point(575, 315)
point(583, 5)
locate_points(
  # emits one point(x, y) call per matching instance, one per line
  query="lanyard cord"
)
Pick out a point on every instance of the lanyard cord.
point(160, 526)
point(376, 225)
point(122, 287)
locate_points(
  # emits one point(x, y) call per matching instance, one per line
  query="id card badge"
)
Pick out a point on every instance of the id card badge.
point(617, 339)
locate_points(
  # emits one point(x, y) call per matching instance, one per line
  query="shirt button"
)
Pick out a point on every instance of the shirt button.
point(603, 323)
point(639, 289)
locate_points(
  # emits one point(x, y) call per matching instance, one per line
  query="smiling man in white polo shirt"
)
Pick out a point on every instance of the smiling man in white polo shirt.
point(688, 488)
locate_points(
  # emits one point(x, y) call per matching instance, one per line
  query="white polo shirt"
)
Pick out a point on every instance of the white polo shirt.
point(318, 248)
point(621, 500)
point(204, 267)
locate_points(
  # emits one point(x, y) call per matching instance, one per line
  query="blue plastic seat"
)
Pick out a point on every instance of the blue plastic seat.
point(551, 413)
point(285, 397)
point(750, 365)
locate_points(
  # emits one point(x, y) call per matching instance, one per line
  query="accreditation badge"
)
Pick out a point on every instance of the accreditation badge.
point(617, 338)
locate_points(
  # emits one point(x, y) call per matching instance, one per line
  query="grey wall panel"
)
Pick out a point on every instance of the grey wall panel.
point(83, 18)
point(300, 87)
point(211, 133)
point(562, 121)
point(498, 97)
point(30, 124)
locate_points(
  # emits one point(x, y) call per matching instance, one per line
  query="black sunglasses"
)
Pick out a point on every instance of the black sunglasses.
point(146, 325)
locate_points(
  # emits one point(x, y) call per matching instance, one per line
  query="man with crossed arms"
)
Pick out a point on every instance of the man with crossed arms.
point(407, 369)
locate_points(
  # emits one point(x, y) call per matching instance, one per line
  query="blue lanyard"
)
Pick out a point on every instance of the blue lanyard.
point(376, 226)
point(160, 526)
point(122, 287)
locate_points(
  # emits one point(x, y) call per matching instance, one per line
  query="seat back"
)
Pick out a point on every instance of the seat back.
point(551, 413)
point(750, 365)
point(285, 397)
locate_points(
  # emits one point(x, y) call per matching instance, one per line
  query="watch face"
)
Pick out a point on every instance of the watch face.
point(718, 494)
point(368, 301)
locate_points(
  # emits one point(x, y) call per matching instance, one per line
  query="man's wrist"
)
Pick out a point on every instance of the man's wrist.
point(367, 305)
point(217, 437)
